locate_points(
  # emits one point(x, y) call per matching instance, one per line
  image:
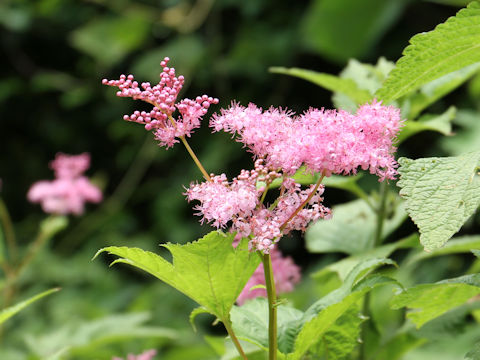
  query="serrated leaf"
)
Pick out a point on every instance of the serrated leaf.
point(429, 301)
point(209, 271)
point(451, 46)
point(343, 336)
point(351, 229)
point(440, 123)
point(7, 313)
point(441, 194)
point(315, 328)
point(250, 322)
point(330, 82)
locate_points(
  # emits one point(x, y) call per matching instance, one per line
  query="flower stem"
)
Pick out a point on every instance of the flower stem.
point(235, 340)
point(272, 307)
point(303, 204)
point(195, 159)
point(6, 224)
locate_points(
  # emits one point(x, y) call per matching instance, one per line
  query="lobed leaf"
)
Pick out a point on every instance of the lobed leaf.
point(441, 194)
point(451, 46)
point(209, 271)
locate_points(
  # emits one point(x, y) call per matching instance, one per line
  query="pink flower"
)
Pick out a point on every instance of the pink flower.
point(326, 141)
point(286, 274)
point(163, 97)
point(147, 355)
point(238, 203)
point(70, 190)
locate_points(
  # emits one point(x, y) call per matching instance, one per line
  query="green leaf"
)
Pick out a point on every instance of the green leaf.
point(84, 338)
point(429, 301)
point(458, 245)
point(466, 135)
point(7, 313)
point(473, 354)
point(343, 267)
point(367, 77)
point(451, 46)
point(324, 28)
point(106, 40)
point(476, 253)
point(343, 336)
point(250, 322)
point(209, 271)
point(436, 89)
point(329, 82)
point(351, 229)
point(440, 123)
point(195, 312)
point(318, 326)
point(441, 194)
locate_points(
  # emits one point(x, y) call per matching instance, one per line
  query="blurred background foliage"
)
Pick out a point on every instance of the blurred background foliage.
point(54, 55)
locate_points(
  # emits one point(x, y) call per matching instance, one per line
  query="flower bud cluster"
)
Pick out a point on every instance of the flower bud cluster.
point(163, 97)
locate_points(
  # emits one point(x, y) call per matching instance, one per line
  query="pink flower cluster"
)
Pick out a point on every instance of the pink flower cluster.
point(163, 97)
point(326, 141)
point(70, 189)
point(239, 202)
point(285, 272)
point(147, 355)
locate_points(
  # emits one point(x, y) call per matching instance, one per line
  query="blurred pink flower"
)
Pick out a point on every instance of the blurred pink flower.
point(147, 355)
point(70, 190)
point(285, 272)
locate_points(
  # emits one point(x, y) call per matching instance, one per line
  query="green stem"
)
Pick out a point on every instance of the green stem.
point(235, 340)
point(272, 307)
point(381, 213)
point(380, 210)
point(8, 231)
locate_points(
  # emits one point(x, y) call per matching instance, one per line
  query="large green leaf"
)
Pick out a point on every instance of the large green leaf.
point(210, 270)
point(441, 194)
point(344, 29)
point(429, 301)
point(449, 47)
point(7, 313)
point(330, 82)
point(351, 229)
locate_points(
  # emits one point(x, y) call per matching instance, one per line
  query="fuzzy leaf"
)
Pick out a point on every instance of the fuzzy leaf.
point(209, 271)
point(441, 194)
point(7, 313)
point(330, 82)
point(451, 46)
